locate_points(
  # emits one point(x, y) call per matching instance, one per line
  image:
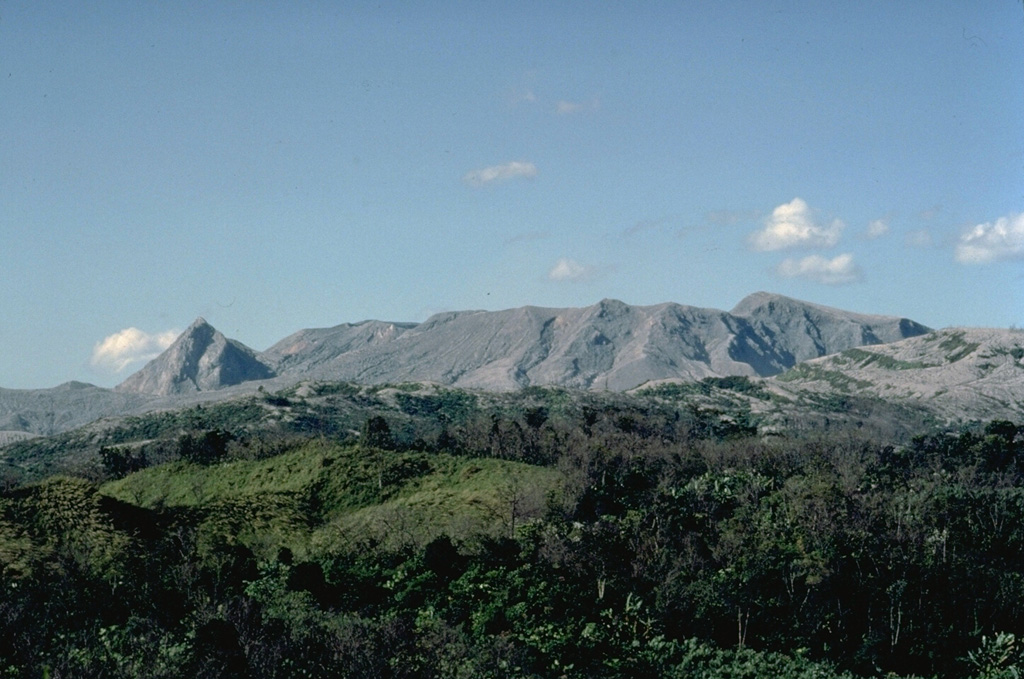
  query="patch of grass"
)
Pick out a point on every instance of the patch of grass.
point(186, 484)
point(865, 358)
point(330, 493)
point(460, 497)
point(957, 346)
point(814, 373)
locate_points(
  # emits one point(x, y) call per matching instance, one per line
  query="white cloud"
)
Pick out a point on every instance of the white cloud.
point(567, 269)
point(131, 345)
point(792, 225)
point(993, 241)
point(839, 270)
point(500, 173)
point(523, 92)
point(877, 228)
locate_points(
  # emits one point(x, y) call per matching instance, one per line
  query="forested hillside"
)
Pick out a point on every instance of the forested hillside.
point(409, 531)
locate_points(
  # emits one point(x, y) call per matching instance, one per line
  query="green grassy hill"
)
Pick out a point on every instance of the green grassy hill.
point(320, 494)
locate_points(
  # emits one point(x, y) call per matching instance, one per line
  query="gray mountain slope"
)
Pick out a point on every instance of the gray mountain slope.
point(306, 349)
point(786, 331)
point(608, 345)
point(70, 405)
point(958, 373)
point(201, 359)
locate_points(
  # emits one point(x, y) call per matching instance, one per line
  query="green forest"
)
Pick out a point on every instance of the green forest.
point(334, 530)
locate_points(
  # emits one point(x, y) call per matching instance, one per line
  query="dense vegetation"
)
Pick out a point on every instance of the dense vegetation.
point(342, 531)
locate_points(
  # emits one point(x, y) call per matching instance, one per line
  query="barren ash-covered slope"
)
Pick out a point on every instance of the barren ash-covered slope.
point(309, 348)
point(610, 345)
point(201, 359)
point(69, 405)
point(977, 373)
point(813, 330)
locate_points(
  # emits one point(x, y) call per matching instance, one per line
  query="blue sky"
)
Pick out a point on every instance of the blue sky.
point(272, 166)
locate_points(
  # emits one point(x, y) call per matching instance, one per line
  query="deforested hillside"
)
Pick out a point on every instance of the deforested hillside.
point(798, 331)
point(956, 373)
point(610, 345)
point(305, 350)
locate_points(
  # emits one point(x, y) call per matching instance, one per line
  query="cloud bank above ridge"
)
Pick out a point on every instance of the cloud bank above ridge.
point(566, 269)
point(840, 270)
point(115, 353)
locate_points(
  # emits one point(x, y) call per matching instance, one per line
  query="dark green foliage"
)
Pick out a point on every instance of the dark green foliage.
point(217, 652)
point(448, 405)
point(226, 416)
point(612, 538)
point(119, 462)
point(738, 383)
point(206, 448)
point(377, 434)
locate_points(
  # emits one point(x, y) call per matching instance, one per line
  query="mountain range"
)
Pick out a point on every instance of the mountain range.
point(609, 345)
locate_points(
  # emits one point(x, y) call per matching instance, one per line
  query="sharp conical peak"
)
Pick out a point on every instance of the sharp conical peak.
point(199, 331)
point(200, 322)
point(200, 359)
